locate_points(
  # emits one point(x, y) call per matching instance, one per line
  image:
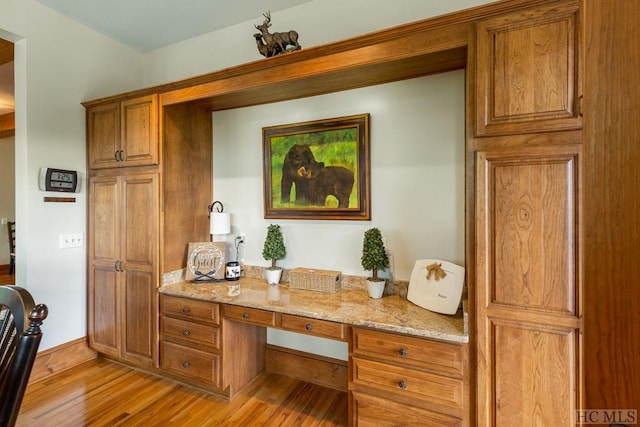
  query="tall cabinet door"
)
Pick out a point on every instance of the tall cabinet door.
point(528, 323)
point(140, 264)
point(104, 255)
point(123, 265)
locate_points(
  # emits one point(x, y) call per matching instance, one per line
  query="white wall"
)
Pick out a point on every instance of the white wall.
point(58, 64)
point(417, 175)
point(417, 181)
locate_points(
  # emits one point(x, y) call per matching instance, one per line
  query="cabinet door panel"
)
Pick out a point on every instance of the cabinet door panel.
point(104, 135)
point(139, 320)
point(104, 227)
point(104, 313)
point(535, 371)
point(528, 71)
point(140, 131)
point(141, 207)
point(531, 216)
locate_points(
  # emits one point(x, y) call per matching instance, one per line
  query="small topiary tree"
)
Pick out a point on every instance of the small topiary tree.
point(374, 255)
point(274, 245)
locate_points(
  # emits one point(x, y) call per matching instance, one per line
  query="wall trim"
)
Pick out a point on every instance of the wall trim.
point(62, 357)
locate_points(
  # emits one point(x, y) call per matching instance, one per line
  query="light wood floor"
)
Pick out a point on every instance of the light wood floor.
point(104, 393)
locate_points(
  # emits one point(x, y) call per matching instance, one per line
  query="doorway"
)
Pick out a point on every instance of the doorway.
point(7, 154)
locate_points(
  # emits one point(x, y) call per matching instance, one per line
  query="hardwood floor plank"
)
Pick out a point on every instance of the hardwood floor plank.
point(103, 393)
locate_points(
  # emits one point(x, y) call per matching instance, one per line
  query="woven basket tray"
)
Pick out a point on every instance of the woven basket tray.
point(314, 280)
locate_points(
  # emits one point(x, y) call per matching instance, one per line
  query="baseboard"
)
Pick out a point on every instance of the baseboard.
point(61, 357)
point(324, 371)
point(4, 268)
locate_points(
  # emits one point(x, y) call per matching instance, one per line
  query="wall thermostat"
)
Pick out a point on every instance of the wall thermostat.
point(60, 180)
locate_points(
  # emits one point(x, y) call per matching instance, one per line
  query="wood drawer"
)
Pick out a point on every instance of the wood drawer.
point(249, 315)
point(320, 328)
point(435, 356)
point(376, 412)
point(190, 309)
point(439, 392)
point(190, 363)
point(190, 332)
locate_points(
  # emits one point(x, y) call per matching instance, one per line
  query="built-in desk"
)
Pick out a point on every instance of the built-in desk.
point(404, 361)
point(349, 306)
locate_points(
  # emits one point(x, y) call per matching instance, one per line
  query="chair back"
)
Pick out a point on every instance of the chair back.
point(11, 228)
point(20, 334)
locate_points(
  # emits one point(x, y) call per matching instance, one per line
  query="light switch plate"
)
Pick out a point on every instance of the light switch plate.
point(71, 240)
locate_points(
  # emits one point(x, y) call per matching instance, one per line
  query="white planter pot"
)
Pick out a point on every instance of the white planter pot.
point(375, 289)
point(273, 276)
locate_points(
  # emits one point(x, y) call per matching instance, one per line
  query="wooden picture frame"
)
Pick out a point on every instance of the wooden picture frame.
point(318, 169)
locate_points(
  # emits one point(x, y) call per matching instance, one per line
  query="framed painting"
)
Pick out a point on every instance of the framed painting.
point(318, 169)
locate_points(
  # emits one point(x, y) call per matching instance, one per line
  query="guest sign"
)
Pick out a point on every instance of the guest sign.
point(205, 262)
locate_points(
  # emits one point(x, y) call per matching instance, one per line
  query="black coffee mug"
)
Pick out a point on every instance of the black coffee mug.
point(232, 272)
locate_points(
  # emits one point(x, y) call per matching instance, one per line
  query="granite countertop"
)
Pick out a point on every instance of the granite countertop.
point(350, 306)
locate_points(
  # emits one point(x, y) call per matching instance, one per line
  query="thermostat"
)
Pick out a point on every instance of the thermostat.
point(60, 180)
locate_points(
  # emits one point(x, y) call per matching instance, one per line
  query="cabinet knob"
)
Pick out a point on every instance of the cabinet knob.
point(403, 352)
point(185, 309)
point(308, 326)
point(185, 365)
point(245, 316)
point(402, 384)
point(186, 332)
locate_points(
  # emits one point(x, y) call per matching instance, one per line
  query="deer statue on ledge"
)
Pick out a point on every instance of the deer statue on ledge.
point(271, 44)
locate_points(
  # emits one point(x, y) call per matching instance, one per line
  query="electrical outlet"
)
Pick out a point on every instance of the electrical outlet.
point(71, 240)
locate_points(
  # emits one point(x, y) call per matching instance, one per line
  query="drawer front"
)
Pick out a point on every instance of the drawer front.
point(190, 309)
point(320, 328)
point(190, 363)
point(408, 351)
point(372, 411)
point(249, 315)
point(443, 392)
point(188, 332)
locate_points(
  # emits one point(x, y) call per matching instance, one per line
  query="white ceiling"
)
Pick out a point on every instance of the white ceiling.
point(146, 25)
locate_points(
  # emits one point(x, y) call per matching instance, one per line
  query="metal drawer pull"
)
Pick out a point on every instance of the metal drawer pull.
point(185, 309)
point(186, 332)
point(185, 365)
point(403, 352)
point(402, 385)
point(245, 316)
point(308, 326)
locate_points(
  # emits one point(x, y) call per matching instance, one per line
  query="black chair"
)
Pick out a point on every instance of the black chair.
point(11, 226)
point(20, 335)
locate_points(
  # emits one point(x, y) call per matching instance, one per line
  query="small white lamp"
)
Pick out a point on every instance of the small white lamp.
point(219, 222)
point(219, 227)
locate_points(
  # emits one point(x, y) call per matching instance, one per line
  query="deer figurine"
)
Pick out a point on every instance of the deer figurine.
point(276, 43)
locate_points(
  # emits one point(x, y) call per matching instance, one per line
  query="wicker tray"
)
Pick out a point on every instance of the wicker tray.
point(313, 279)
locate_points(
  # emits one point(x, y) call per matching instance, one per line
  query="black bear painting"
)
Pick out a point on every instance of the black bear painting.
point(317, 170)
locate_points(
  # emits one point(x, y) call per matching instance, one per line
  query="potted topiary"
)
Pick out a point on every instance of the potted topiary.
point(273, 250)
point(374, 258)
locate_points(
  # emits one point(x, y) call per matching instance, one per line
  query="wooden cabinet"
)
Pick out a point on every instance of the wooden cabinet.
point(394, 375)
point(528, 315)
point(191, 340)
point(123, 265)
point(123, 133)
point(131, 238)
point(528, 65)
point(201, 347)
